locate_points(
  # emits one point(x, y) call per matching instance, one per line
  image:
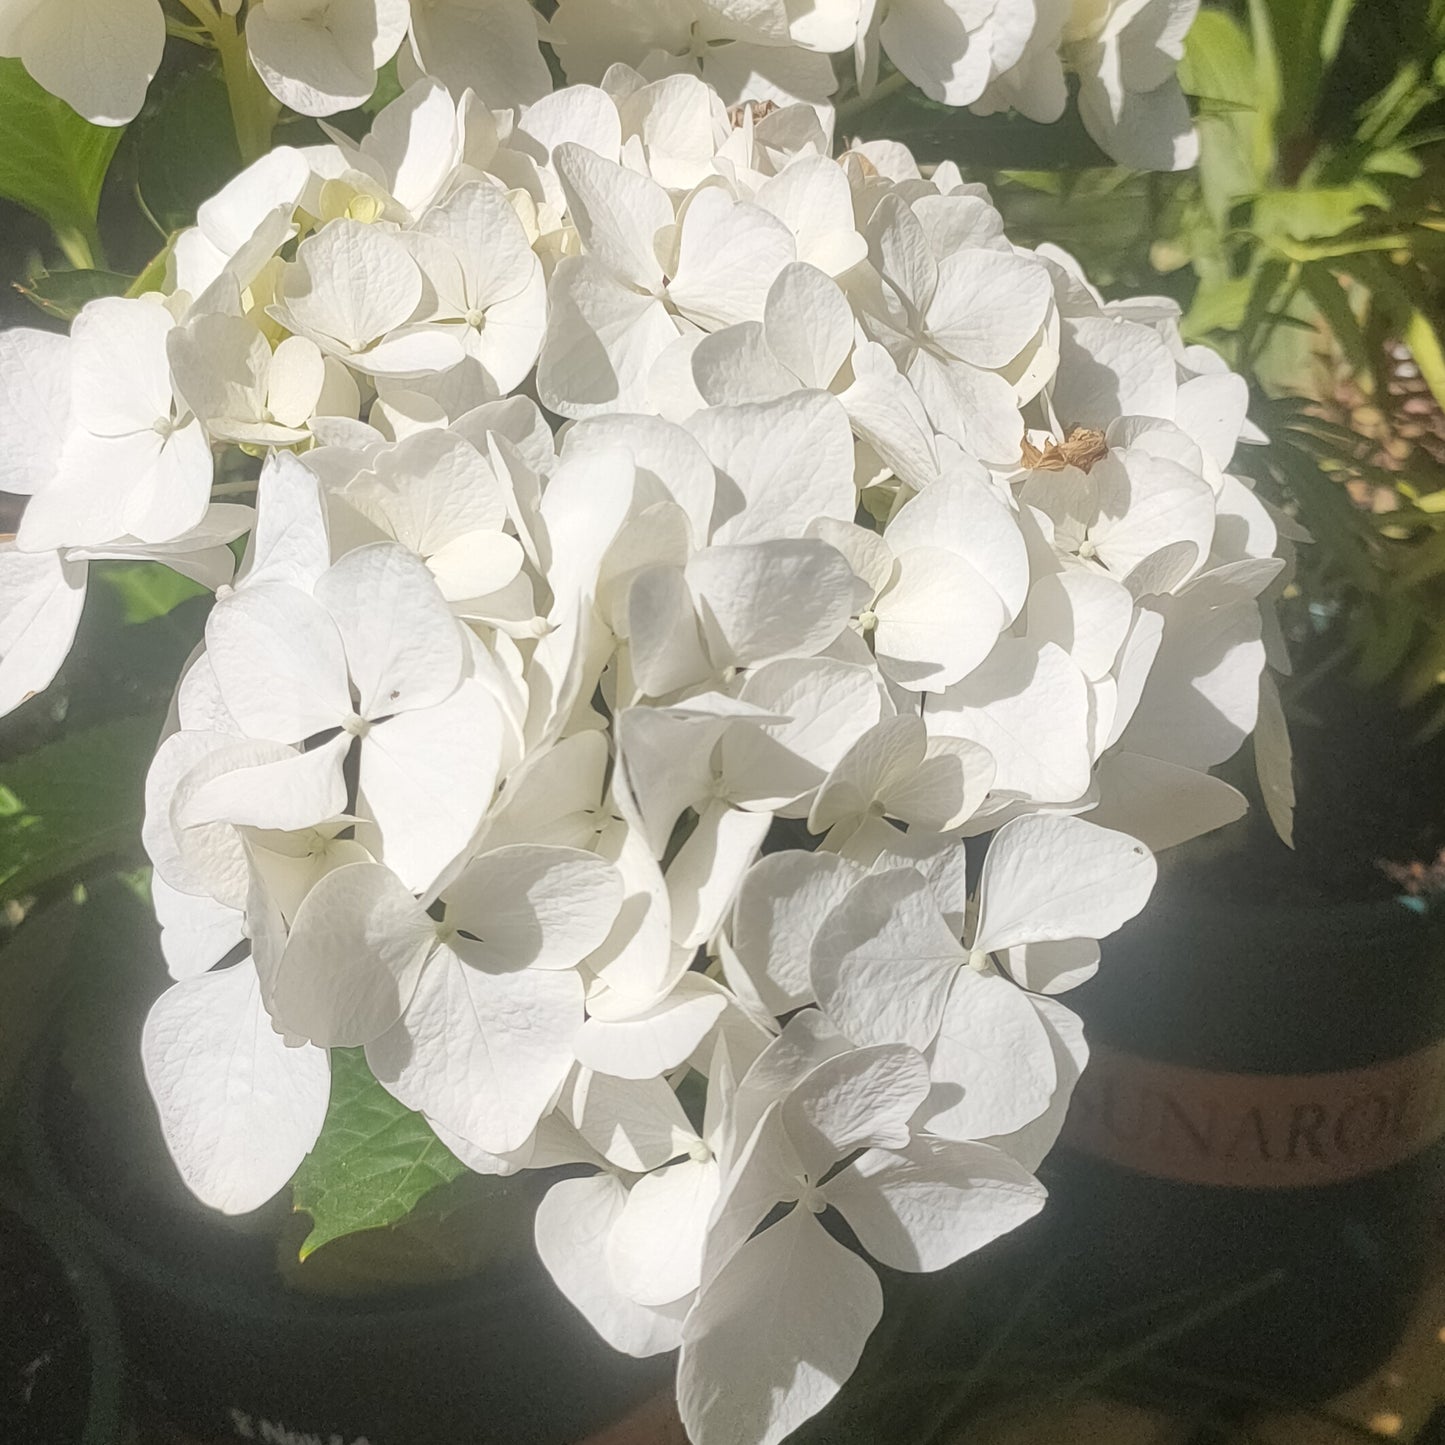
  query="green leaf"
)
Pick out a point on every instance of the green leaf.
point(1268, 80)
point(72, 802)
point(1217, 306)
point(185, 146)
point(1218, 62)
point(1308, 214)
point(388, 88)
point(63, 293)
point(1307, 35)
point(1424, 343)
point(52, 161)
point(1325, 290)
point(148, 589)
point(374, 1160)
point(1394, 161)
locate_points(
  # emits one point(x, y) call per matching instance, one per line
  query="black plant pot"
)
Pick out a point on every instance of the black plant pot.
point(60, 1360)
point(1260, 1123)
point(222, 1349)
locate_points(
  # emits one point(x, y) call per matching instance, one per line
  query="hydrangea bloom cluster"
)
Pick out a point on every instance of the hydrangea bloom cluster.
point(322, 56)
point(712, 611)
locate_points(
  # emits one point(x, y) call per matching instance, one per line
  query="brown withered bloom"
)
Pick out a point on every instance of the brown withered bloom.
point(1083, 446)
point(761, 109)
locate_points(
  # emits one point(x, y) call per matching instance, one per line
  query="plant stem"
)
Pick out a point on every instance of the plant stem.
point(192, 34)
point(253, 108)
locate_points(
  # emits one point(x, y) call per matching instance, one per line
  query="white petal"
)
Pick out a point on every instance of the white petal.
point(1054, 877)
point(1028, 705)
point(962, 514)
point(702, 879)
point(667, 458)
point(403, 646)
point(780, 906)
point(41, 598)
point(1031, 1144)
point(856, 1100)
point(1054, 966)
point(483, 1052)
point(196, 931)
point(489, 46)
point(427, 778)
point(97, 55)
point(350, 284)
point(312, 63)
point(771, 599)
point(937, 621)
point(655, 1248)
point(646, 1044)
point(1110, 368)
point(573, 1223)
point(783, 464)
point(883, 962)
point(34, 406)
point(1085, 613)
point(992, 1063)
point(288, 543)
point(532, 906)
point(735, 365)
point(602, 340)
point(635, 1124)
point(239, 1108)
point(357, 947)
point(811, 197)
point(929, 1206)
point(774, 1335)
point(278, 662)
point(728, 256)
point(1162, 804)
point(617, 212)
point(988, 305)
point(1202, 697)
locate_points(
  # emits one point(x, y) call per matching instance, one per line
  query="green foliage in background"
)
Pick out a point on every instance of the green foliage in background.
point(1307, 249)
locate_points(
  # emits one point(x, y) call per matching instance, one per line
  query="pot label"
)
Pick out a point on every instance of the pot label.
point(1256, 1131)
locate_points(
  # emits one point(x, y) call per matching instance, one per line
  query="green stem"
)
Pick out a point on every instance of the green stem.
point(253, 108)
point(192, 34)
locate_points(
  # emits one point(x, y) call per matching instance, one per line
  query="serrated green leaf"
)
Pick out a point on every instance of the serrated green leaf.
point(374, 1161)
point(52, 161)
point(72, 802)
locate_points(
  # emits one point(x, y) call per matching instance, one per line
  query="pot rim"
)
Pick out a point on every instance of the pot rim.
point(86, 1287)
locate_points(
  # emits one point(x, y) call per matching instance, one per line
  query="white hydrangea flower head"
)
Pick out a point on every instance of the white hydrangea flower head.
point(712, 607)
